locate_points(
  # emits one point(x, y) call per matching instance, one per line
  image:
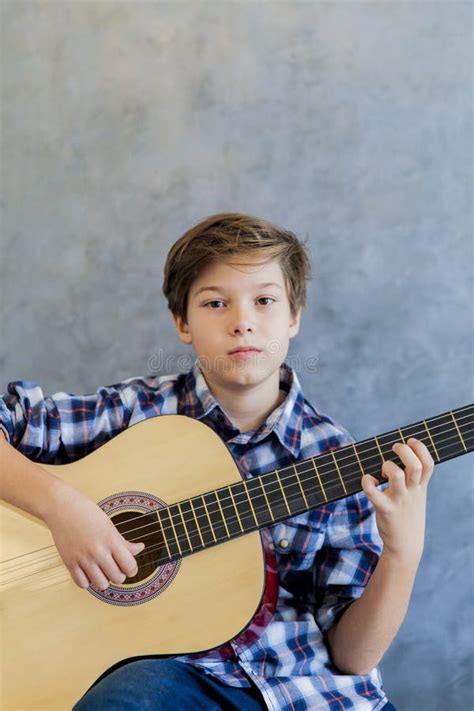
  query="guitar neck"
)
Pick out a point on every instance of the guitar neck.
point(217, 516)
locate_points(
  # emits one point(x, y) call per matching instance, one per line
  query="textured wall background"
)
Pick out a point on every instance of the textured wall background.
point(126, 122)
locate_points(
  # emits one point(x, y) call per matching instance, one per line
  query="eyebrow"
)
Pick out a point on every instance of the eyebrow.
point(221, 289)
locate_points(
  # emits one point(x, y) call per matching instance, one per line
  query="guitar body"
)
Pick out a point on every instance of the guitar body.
point(57, 639)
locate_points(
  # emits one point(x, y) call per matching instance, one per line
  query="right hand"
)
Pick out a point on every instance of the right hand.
point(91, 547)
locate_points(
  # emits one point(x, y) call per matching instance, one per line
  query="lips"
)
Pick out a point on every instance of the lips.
point(244, 349)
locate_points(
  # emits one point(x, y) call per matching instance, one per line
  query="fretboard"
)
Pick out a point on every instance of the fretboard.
point(230, 511)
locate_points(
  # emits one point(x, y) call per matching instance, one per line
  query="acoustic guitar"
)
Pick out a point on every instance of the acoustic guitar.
point(170, 482)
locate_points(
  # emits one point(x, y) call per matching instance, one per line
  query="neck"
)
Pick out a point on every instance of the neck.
point(248, 406)
point(251, 504)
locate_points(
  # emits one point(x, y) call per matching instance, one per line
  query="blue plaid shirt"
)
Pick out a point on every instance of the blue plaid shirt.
point(325, 556)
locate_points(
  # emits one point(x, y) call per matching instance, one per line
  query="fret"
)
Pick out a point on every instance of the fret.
point(345, 474)
point(370, 457)
point(211, 528)
point(275, 496)
point(222, 514)
point(308, 485)
point(386, 441)
point(243, 506)
point(184, 526)
point(301, 487)
point(258, 497)
point(323, 491)
point(379, 449)
point(180, 529)
point(327, 476)
point(459, 432)
point(245, 485)
point(163, 535)
point(282, 491)
point(224, 496)
point(197, 522)
point(464, 417)
point(290, 481)
point(266, 497)
point(433, 451)
point(362, 472)
point(192, 525)
point(293, 480)
point(217, 522)
point(172, 510)
point(168, 537)
point(338, 472)
point(445, 436)
point(401, 436)
point(417, 430)
point(235, 508)
point(203, 522)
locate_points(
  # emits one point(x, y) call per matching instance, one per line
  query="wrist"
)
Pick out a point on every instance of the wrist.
point(57, 492)
point(401, 560)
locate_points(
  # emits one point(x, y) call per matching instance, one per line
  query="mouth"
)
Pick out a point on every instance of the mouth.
point(244, 349)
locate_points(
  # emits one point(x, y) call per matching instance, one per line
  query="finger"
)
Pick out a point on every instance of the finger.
point(112, 571)
point(79, 577)
point(396, 478)
point(375, 496)
point(424, 456)
point(97, 577)
point(413, 465)
point(124, 557)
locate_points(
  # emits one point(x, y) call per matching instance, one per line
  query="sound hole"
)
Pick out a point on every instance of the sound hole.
point(137, 526)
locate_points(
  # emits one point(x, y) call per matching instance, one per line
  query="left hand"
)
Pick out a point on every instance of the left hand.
point(401, 508)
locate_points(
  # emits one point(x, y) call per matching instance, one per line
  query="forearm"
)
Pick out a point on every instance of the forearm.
point(25, 484)
point(368, 626)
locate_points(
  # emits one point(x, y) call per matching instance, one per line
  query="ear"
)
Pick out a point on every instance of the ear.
point(295, 323)
point(183, 329)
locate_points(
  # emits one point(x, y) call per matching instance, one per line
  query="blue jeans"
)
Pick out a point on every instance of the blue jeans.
point(168, 685)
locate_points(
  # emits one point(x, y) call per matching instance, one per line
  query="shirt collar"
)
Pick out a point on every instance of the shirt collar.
point(285, 421)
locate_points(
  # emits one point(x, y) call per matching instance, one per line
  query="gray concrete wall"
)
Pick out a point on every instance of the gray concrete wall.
point(125, 122)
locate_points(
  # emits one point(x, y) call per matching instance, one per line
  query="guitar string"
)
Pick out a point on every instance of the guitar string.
point(270, 491)
point(148, 551)
point(321, 470)
point(242, 496)
point(328, 485)
point(233, 519)
point(158, 561)
point(329, 465)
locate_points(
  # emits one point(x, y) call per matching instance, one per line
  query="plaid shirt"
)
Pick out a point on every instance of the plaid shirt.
point(325, 556)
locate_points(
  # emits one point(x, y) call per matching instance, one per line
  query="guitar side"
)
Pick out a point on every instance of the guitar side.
point(57, 639)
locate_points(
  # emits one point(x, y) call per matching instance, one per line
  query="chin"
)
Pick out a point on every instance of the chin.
point(246, 376)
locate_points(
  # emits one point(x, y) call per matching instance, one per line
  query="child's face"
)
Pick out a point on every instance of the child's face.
point(228, 309)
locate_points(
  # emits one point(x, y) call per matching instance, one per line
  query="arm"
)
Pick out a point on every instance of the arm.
point(25, 484)
point(63, 427)
point(89, 544)
point(367, 627)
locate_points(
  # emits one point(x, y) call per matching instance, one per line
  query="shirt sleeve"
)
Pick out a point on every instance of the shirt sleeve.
point(348, 557)
point(62, 427)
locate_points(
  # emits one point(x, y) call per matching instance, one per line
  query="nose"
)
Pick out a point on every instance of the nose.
point(241, 321)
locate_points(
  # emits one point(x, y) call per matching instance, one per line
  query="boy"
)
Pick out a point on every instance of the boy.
point(236, 288)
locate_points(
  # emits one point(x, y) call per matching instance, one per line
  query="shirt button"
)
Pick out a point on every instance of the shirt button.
point(271, 546)
point(283, 543)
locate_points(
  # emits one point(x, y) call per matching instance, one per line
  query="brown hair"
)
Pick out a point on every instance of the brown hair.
point(224, 236)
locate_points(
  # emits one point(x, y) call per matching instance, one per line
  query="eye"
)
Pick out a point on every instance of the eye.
point(214, 301)
point(267, 298)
